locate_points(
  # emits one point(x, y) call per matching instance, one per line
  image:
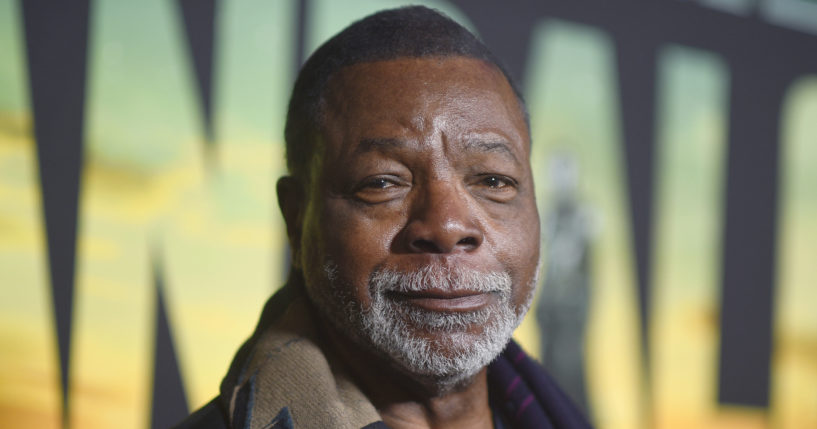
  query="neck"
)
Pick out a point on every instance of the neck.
point(406, 401)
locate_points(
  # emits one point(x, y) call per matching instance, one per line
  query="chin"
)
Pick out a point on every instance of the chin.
point(445, 350)
point(442, 350)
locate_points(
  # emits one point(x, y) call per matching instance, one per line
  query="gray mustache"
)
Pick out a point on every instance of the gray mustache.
point(436, 277)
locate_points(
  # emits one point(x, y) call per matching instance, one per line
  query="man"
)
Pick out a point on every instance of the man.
point(412, 221)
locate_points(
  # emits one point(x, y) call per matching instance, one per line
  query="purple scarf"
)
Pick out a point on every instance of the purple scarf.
point(527, 396)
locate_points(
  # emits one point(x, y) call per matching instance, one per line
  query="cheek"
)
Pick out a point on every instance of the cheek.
point(520, 252)
point(357, 241)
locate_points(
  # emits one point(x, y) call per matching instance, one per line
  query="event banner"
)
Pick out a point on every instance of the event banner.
point(675, 157)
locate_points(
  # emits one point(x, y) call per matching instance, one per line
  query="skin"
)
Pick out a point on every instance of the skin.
point(422, 161)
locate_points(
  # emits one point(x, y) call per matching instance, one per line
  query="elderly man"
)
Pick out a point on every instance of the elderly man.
point(412, 220)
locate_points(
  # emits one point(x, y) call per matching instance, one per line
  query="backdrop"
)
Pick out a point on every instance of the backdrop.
point(676, 165)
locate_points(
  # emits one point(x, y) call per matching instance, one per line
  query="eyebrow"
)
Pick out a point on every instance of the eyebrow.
point(492, 146)
point(377, 144)
point(385, 144)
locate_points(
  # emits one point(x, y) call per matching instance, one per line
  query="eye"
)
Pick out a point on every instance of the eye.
point(495, 182)
point(378, 183)
point(495, 187)
point(378, 189)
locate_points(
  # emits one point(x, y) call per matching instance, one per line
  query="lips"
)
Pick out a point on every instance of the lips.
point(446, 301)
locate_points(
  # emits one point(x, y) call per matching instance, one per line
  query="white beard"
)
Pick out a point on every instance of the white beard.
point(392, 328)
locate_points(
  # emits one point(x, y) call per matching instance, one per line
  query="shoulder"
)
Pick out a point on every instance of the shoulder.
point(213, 416)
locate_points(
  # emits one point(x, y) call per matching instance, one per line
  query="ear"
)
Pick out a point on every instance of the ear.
point(292, 202)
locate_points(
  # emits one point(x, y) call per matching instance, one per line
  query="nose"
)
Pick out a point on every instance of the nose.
point(441, 221)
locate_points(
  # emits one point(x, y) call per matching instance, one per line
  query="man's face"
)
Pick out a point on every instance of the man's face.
point(420, 235)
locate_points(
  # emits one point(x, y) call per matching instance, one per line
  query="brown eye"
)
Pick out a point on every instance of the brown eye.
point(495, 187)
point(494, 182)
point(378, 183)
point(380, 189)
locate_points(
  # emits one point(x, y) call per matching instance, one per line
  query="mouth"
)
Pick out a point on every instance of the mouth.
point(446, 301)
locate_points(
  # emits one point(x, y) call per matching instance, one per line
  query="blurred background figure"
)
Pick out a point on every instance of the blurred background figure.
point(562, 308)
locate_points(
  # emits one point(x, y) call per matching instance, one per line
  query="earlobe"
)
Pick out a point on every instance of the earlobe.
point(291, 202)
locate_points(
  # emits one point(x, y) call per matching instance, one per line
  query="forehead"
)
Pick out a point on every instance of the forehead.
point(418, 93)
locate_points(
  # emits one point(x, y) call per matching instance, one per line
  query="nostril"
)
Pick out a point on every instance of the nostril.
point(426, 246)
point(468, 241)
